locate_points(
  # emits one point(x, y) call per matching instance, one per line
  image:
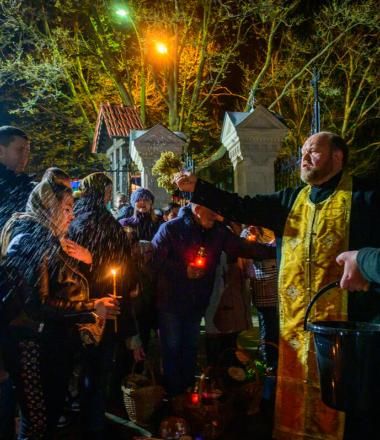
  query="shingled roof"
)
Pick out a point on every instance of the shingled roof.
point(114, 121)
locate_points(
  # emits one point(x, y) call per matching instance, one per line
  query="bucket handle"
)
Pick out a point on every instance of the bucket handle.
point(316, 297)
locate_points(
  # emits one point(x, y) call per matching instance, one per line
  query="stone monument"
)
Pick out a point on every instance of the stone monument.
point(253, 140)
point(145, 147)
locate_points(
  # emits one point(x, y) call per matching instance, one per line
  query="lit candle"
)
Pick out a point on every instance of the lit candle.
point(200, 262)
point(200, 259)
point(195, 398)
point(114, 294)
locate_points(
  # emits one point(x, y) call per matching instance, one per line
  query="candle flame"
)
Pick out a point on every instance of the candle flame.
point(195, 398)
point(200, 262)
point(113, 272)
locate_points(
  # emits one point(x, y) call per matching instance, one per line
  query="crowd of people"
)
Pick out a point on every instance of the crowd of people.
point(84, 287)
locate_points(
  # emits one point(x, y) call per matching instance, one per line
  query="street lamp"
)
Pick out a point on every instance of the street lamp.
point(161, 48)
point(124, 13)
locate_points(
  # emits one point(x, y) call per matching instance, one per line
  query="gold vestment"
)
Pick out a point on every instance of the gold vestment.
point(314, 235)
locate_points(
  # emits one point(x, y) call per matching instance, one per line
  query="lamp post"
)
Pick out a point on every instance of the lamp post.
point(124, 13)
point(170, 72)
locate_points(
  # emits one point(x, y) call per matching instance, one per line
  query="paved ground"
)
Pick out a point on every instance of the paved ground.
point(238, 425)
point(241, 427)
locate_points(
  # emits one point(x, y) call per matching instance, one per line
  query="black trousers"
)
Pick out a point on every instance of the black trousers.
point(39, 365)
point(269, 333)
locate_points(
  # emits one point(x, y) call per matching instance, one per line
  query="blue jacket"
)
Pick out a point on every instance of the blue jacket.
point(176, 245)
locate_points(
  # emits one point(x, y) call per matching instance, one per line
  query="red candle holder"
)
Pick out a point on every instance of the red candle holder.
point(195, 398)
point(200, 260)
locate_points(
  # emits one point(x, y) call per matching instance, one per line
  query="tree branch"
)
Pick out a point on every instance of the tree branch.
point(308, 64)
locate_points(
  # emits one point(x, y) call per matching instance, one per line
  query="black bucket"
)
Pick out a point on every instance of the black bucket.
point(348, 357)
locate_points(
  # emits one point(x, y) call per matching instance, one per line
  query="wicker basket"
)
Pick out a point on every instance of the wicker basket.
point(141, 395)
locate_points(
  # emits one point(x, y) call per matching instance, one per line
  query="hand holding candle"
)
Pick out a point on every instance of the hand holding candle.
point(107, 307)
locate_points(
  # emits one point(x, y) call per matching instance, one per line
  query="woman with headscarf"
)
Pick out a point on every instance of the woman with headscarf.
point(41, 338)
point(96, 229)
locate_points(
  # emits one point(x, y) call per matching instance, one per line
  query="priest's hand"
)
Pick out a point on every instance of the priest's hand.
point(186, 181)
point(352, 279)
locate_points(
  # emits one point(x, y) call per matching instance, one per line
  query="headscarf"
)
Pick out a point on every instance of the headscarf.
point(42, 202)
point(57, 175)
point(95, 184)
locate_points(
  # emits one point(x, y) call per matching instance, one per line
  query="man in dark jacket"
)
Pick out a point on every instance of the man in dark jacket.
point(187, 251)
point(313, 224)
point(15, 187)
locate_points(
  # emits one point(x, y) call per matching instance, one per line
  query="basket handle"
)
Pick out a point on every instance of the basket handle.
point(322, 291)
point(148, 370)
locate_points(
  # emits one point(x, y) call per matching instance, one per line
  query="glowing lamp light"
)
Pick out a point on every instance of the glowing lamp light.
point(122, 12)
point(161, 48)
